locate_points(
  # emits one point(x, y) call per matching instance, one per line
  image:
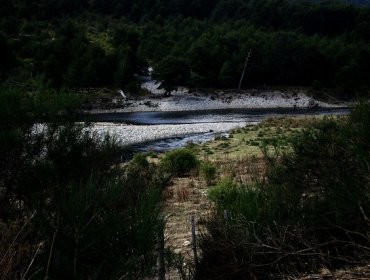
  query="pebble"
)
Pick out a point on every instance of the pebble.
point(186, 243)
point(133, 134)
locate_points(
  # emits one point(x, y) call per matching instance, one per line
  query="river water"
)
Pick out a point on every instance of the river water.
point(209, 116)
point(222, 116)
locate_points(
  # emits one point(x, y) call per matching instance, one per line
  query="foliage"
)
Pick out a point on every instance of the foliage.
point(312, 207)
point(71, 208)
point(208, 172)
point(192, 43)
point(172, 72)
point(179, 162)
point(140, 160)
point(236, 200)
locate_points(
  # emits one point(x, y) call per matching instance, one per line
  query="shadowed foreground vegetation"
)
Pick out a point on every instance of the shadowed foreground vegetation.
point(308, 209)
point(68, 209)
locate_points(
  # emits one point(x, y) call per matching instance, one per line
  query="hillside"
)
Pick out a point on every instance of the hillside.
point(198, 44)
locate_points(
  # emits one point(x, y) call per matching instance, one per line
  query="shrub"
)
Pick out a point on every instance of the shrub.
point(208, 172)
point(222, 192)
point(240, 201)
point(179, 162)
point(140, 160)
point(86, 217)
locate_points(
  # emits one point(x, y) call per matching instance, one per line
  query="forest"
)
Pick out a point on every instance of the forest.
point(323, 46)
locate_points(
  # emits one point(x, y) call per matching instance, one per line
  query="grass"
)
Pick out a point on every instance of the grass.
point(291, 212)
point(247, 141)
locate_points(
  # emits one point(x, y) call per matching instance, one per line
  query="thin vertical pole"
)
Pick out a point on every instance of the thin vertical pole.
point(194, 240)
point(245, 67)
point(161, 261)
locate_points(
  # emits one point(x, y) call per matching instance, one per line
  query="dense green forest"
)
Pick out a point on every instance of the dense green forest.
point(200, 44)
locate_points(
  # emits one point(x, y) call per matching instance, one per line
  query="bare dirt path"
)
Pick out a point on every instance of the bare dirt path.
point(185, 198)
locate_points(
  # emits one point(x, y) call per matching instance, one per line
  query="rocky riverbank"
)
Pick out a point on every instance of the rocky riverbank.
point(132, 134)
point(183, 100)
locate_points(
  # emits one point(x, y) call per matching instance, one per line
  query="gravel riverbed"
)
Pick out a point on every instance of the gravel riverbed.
point(133, 134)
point(183, 100)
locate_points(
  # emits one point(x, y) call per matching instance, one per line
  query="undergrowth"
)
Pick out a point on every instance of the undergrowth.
point(68, 208)
point(310, 209)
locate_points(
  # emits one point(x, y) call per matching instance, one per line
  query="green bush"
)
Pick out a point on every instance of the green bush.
point(208, 172)
point(179, 162)
point(239, 201)
point(140, 160)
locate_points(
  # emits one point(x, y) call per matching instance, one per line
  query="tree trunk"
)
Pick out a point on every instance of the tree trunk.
point(245, 67)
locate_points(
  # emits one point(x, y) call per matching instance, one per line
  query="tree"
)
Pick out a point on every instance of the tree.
point(172, 72)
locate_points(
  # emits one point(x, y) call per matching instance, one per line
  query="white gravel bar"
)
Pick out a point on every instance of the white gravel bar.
point(132, 134)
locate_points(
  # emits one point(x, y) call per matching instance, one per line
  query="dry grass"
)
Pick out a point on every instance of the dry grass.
point(243, 171)
point(15, 252)
point(182, 193)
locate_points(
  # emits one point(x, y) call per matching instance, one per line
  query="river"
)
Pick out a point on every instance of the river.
point(220, 118)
